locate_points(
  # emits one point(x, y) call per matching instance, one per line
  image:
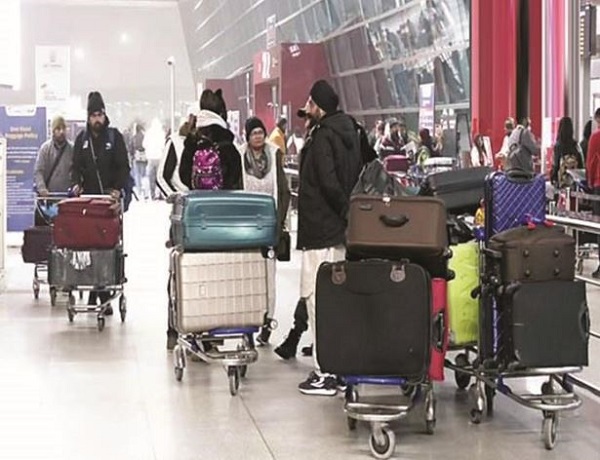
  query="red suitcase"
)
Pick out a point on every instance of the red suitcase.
point(86, 223)
point(396, 163)
point(439, 346)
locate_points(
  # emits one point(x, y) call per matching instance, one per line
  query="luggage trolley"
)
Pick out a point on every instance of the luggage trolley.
point(46, 207)
point(208, 345)
point(556, 393)
point(382, 441)
point(100, 271)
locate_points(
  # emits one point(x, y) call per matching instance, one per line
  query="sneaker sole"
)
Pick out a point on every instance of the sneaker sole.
point(322, 392)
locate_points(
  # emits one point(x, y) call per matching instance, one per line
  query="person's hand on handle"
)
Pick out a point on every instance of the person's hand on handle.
point(115, 195)
point(76, 190)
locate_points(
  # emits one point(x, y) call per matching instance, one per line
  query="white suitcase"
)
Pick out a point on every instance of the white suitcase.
point(218, 290)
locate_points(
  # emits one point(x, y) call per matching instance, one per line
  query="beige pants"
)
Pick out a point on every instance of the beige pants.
point(271, 290)
point(311, 260)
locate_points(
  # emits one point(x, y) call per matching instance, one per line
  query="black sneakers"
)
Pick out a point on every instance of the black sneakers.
point(320, 385)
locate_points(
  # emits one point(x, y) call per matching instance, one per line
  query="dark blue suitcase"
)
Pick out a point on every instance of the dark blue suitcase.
point(210, 220)
point(509, 201)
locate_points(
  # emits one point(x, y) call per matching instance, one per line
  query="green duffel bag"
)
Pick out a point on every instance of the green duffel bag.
point(463, 309)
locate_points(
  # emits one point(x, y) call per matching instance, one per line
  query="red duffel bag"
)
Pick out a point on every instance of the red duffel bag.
point(87, 223)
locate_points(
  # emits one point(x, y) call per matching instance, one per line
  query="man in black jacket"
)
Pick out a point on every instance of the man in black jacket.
point(329, 170)
point(100, 163)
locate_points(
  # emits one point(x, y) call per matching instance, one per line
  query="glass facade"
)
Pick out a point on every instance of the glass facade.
point(379, 51)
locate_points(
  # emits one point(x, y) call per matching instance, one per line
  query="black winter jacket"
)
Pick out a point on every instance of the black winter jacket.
point(112, 161)
point(230, 157)
point(329, 168)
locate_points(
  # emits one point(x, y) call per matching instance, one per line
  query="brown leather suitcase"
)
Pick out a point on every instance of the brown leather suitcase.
point(396, 228)
point(532, 255)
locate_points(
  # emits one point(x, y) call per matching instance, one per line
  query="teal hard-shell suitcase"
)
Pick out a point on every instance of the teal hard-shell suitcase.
point(209, 220)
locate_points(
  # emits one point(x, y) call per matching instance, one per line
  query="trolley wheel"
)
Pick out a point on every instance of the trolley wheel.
point(462, 379)
point(490, 393)
point(383, 448)
point(101, 323)
point(36, 289)
point(178, 373)
point(233, 374)
point(53, 296)
point(429, 426)
point(547, 388)
point(70, 314)
point(80, 295)
point(476, 416)
point(352, 422)
point(549, 430)
point(123, 307)
point(579, 266)
point(243, 371)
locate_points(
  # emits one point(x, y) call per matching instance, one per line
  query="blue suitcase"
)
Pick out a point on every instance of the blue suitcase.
point(208, 220)
point(509, 201)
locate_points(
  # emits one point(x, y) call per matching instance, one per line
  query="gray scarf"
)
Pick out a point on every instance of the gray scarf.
point(257, 167)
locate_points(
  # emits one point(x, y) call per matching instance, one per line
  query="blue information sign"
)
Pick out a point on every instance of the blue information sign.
point(25, 131)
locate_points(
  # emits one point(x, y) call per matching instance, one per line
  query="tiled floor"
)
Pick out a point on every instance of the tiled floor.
point(70, 392)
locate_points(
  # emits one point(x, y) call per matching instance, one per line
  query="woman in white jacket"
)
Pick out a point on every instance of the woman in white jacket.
point(262, 172)
point(167, 176)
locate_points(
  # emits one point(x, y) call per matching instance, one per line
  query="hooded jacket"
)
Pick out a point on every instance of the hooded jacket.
point(110, 162)
point(329, 169)
point(167, 177)
point(212, 126)
point(522, 148)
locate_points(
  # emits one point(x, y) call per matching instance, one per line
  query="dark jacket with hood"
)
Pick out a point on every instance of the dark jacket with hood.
point(110, 162)
point(329, 169)
point(212, 127)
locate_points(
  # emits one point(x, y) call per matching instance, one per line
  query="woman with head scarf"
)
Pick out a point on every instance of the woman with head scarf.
point(262, 172)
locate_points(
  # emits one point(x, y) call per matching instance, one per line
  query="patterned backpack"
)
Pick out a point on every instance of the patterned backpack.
point(207, 173)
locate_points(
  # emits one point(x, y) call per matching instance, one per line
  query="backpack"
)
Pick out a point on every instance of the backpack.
point(207, 173)
point(519, 157)
point(568, 162)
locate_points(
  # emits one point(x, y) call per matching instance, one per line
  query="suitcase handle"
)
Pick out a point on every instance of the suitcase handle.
point(439, 327)
point(394, 221)
point(585, 321)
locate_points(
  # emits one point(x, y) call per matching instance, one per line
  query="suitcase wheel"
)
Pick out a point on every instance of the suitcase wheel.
point(101, 323)
point(123, 307)
point(179, 358)
point(36, 289)
point(462, 379)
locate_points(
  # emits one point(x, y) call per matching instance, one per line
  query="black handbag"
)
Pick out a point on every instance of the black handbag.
point(284, 247)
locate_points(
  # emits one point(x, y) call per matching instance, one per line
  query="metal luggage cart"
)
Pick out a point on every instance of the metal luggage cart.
point(556, 394)
point(115, 287)
point(206, 346)
point(382, 441)
point(209, 346)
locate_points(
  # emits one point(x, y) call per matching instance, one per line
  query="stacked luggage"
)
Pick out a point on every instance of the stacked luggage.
point(87, 254)
point(381, 314)
point(218, 275)
point(534, 319)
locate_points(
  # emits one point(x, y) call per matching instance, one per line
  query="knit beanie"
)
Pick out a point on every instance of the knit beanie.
point(324, 96)
point(58, 122)
point(251, 124)
point(95, 103)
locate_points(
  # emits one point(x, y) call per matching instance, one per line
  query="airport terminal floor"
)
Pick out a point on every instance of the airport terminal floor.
point(70, 392)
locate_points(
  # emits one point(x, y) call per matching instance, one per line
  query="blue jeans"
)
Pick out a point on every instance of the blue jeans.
point(139, 170)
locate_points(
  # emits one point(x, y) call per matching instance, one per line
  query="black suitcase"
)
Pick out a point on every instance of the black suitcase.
point(539, 254)
point(373, 318)
point(37, 242)
point(461, 190)
point(546, 324)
